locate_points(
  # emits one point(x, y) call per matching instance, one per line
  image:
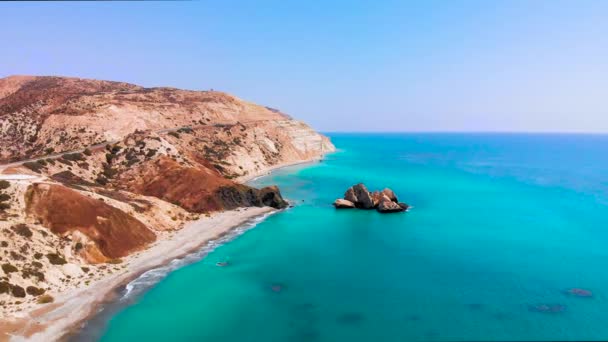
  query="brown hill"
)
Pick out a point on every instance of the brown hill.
point(42, 115)
point(111, 167)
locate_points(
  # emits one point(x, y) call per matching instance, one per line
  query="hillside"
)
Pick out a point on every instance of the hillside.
point(107, 169)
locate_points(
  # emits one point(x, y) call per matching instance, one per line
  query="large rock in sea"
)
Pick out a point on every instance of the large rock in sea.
point(364, 198)
point(343, 204)
point(376, 198)
point(388, 206)
point(390, 194)
point(349, 195)
point(358, 196)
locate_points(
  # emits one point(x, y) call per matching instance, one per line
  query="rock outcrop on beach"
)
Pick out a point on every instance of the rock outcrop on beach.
point(106, 169)
point(357, 196)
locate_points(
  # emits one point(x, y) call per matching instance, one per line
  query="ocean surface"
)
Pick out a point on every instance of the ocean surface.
point(499, 223)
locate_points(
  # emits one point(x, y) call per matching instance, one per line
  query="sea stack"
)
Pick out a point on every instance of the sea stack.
point(357, 196)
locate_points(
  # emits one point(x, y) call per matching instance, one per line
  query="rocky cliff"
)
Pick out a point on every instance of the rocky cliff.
point(114, 167)
point(44, 115)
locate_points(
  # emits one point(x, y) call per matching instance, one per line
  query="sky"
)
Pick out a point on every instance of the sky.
point(533, 65)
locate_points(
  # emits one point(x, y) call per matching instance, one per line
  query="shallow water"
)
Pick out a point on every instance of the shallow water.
point(499, 223)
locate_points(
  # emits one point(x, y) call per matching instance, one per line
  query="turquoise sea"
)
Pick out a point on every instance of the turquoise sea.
point(499, 222)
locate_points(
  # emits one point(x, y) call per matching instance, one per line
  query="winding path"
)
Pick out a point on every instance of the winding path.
point(92, 148)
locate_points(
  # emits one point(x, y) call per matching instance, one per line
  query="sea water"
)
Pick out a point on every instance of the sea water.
point(499, 223)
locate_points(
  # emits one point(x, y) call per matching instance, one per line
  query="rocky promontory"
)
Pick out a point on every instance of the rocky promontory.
point(101, 180)
point(357, 196)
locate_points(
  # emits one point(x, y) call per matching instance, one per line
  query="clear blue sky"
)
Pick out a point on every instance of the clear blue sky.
point(447, 65)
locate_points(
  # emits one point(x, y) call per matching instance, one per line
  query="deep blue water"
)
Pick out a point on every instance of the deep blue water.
point(499, 222)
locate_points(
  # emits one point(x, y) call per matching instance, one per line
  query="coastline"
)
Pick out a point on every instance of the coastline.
point(268, 171)
point(65, 317)
point(58, 320)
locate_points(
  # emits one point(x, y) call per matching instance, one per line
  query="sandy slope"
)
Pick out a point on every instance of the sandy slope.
point(72, 307)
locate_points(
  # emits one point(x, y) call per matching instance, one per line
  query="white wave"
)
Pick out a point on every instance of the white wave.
point(155, 275)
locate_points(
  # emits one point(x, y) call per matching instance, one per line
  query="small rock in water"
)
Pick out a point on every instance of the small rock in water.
point(221, 263)
point(576, 292)
point(475, 306)
point(547, 308)
point(277, 288)
point(309, 335)
point(500, 316)
point(431, 334)
point(350, 318)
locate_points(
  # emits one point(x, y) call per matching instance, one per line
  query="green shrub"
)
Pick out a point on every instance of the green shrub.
point(37, 256)
point(101, 180)
point(44, 299)
point(5, 287)
point(85, 269)
point(49, 150)
point(4, 184)
point(4, 244)
point(87, 152)
point(109, 172)
point(30, 272)
point(36, 264)
point(16, 256)
point(4, 197)
point(34, 291)
point(73, 156)
point(109, 158)
point(56, 259)
point(65, 161)
point(23, 230)
point(4, 206)
point(33, 166)
point(174, 134)
point(151, 153)
point(132, 162)
point(18, 291)
point(8, 268)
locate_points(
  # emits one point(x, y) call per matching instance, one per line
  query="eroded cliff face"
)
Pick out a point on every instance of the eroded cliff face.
point(64, 211)
point(116, 167)
point(196, 189)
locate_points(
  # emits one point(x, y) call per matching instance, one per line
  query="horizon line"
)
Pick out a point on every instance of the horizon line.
point(470, 132)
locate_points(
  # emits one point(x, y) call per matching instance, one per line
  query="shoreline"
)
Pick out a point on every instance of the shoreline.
point(269, 170)
point(64, 317)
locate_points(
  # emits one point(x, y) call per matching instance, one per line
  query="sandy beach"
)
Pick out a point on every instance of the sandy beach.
point(268, 170)
point(71, 308)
